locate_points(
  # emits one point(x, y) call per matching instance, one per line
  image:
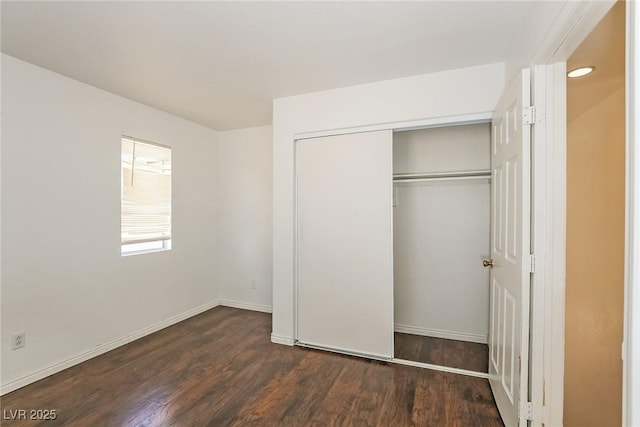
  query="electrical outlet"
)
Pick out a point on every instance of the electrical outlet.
point(254, 284)
point(17, 340)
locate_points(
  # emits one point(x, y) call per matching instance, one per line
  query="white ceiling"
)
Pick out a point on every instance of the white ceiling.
point(222, 63)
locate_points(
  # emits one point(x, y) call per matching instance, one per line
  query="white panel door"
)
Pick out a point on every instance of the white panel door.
point(344, 240)
point(510, 252)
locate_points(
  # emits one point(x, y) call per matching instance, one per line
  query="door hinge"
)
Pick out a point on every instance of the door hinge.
point(526, 411)
point(529, 115)
point(532, 268)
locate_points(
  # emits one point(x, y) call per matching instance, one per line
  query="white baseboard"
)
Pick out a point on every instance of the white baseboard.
point(102, 348)
point(439, 333)
point(278, 339)
point(246, 305)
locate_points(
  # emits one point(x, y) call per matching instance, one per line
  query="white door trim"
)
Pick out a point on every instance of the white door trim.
point(461, 119)
point(549, 241)
point(631, 348)
point(574, 23)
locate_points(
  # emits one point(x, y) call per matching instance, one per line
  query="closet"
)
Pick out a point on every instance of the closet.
point(391, 232)
point(441, 236)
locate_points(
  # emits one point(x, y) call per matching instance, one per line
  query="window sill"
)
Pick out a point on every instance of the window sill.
point(144, 251)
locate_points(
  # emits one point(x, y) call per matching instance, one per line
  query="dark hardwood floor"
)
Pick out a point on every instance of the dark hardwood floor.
point(443, 352)
point(219, 368)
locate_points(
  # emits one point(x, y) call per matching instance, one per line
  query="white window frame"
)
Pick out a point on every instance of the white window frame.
point(145, 247)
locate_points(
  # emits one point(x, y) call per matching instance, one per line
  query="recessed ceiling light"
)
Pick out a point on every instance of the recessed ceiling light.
point(579, 72)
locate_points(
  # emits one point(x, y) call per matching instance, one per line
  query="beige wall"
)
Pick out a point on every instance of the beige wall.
point(595, 244)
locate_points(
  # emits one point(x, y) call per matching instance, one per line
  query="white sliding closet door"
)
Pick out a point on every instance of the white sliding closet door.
point(345, 253)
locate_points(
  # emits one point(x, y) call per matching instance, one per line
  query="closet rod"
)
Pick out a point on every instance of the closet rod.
point(441, 175)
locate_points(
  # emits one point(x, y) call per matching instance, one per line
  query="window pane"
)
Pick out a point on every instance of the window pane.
point(146, 192)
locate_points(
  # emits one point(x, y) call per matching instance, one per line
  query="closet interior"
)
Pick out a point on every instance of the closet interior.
point(441, 233)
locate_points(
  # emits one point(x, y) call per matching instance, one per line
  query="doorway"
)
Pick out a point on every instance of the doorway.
point(441, 221)
point(595, 226)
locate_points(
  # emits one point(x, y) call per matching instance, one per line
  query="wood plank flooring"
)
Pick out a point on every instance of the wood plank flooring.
point(443, 352)
point(220, 369)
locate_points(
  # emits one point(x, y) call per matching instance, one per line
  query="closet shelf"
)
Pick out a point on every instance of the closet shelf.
point(403, 177)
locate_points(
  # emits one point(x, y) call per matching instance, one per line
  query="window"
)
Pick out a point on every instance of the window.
point(146, 197)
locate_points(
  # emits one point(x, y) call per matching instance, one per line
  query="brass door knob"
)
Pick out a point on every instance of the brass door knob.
point(487, 263)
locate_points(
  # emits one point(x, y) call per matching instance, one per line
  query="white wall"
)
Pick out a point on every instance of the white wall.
point(442, 149)
point(64, 282)
point(245, 217)
point(456, 92)
point(441, 234)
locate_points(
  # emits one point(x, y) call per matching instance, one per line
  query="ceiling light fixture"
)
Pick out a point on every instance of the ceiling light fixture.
point(579, 72)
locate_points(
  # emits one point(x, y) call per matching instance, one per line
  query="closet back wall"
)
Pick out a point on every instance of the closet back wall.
point(441, 234)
